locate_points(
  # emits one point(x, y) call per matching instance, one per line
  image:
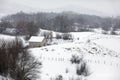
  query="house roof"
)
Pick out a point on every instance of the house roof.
point(36, 39)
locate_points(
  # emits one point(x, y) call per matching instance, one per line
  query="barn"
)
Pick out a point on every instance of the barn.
point(37, 41)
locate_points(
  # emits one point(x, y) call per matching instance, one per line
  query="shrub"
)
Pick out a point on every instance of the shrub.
point(82, 69)
point(59, 77)
point(84, 30)
point(67, 36)
point(66, 71)
point(104, 32)
point(113, 33)
point(58, 36)
point(76, 59)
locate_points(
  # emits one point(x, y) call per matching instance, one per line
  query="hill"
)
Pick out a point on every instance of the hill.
point(64, 22)
point(102, 59)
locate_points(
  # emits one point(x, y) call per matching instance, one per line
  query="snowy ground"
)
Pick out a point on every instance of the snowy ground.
point(101, 52)
point(10, 38)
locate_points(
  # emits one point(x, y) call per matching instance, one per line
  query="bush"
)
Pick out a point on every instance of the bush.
point(58, 36)
point(76, 59)
point(67, 36)
point(104, 32)
point(84, 30)
point(82, 69)
point(113, 33)
point(59, 77)
point(16, 61)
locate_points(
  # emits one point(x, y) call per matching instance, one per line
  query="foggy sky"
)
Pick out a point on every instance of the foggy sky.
point(12, 6)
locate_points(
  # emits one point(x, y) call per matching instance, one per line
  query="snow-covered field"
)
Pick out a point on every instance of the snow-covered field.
point(101, 52)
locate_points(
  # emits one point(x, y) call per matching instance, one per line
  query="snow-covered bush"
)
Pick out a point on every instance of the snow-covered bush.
point(76, 59)
point(104, 32)
point(81, 68)
point(113, 33)
point(67, 36)
point(58, 36)
point(66, 71)
point(59, 77)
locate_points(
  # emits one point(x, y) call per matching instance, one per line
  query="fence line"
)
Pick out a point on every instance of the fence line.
point(103, 62)
point(96, 61)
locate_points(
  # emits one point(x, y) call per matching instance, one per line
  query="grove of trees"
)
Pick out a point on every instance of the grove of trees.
point(26, 28)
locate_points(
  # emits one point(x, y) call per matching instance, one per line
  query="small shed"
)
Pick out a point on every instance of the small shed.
point(37, 41)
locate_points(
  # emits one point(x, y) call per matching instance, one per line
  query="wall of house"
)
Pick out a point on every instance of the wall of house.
point(38, 44)
point(35, 44)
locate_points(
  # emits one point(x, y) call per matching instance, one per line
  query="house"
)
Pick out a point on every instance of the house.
point(37, 41)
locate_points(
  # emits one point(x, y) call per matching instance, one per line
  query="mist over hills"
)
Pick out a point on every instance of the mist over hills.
point(79, 10)
point(73, 8)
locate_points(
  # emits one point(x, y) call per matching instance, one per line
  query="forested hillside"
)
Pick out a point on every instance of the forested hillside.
point(63, 22)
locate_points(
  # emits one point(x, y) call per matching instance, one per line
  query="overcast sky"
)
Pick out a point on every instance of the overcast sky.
point(111, 7)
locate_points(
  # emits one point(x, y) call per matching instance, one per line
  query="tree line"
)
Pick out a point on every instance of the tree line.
point(61, 22)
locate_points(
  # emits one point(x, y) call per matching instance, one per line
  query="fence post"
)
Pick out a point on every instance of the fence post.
point(104, 62)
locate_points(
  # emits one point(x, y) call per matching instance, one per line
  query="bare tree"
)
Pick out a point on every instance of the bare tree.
point(16, 61)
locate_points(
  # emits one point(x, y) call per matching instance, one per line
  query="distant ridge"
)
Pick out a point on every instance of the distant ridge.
point(77, 9)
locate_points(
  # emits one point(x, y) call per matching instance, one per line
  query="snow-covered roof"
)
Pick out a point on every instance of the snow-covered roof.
point(36, 39)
